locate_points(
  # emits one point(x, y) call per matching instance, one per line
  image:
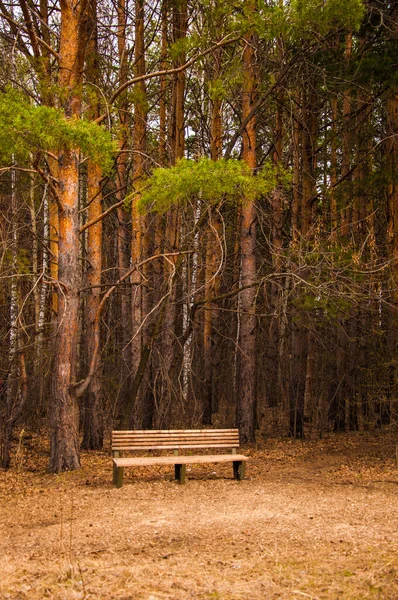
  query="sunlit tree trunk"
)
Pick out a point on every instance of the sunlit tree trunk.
point(64, 421)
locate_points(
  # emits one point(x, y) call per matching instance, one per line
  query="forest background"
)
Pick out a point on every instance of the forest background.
point(199, 215)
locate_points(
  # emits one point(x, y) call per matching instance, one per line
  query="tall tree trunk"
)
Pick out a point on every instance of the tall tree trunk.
point(93, 427)
point(180, 21)
point(276, 247)
point(172, 234)
point(300, 361)
point(64, 421)
point(9, 399)
point(54, 247)
point(137, 221)
point(163, 159)
point(212, 266)
point(123, 232)
point(246, 389)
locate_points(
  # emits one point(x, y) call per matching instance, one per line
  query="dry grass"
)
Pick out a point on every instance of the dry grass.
point(313, 520)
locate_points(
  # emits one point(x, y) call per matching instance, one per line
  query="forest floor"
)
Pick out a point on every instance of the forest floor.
point(313, 519)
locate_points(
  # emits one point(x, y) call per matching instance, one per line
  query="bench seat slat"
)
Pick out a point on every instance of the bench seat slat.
point(175, 436)
point(172, 460)
point(169, 446)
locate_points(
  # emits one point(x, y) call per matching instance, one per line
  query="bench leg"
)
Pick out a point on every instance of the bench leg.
point(180, 473)
point(239, 469)
point(118, 476)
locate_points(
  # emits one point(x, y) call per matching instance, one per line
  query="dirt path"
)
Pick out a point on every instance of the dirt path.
point(313, 520)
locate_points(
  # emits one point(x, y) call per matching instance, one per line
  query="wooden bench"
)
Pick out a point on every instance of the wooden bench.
point(176, 440)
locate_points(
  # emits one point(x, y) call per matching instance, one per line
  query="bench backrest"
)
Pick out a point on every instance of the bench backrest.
point(174, 439)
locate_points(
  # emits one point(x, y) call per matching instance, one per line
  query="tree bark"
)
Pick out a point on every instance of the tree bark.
point(64, 415)
point(212, 264)
point(163, 159)
point(246, 389)
point(172, 234)
point(276, 247)
point(137, 221)
point(123, 230)
point(93, 427)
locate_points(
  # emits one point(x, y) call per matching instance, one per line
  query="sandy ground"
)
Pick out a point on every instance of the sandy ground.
point(312, 520)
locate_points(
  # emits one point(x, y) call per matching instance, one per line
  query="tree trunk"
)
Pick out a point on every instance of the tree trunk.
point(212, 266)
point(300, 362)
point(246, 389)
point(64, 418)
point(137, 235)
point(309, 161)
point(163, 159)
point(64, 421)
point(333, 171)
point(296, 179)
point(123, 231)
point(276, 247)
point(9, 399)
point(93, 427)
point(172, 234)
point(297, 380)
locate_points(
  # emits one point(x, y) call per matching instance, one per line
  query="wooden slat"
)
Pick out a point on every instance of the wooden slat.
point(168, 431)
point(182, 440)
point(177, 436)
point(181, 460)
point(176, 440)
point(127, 448)
point(172, 440)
